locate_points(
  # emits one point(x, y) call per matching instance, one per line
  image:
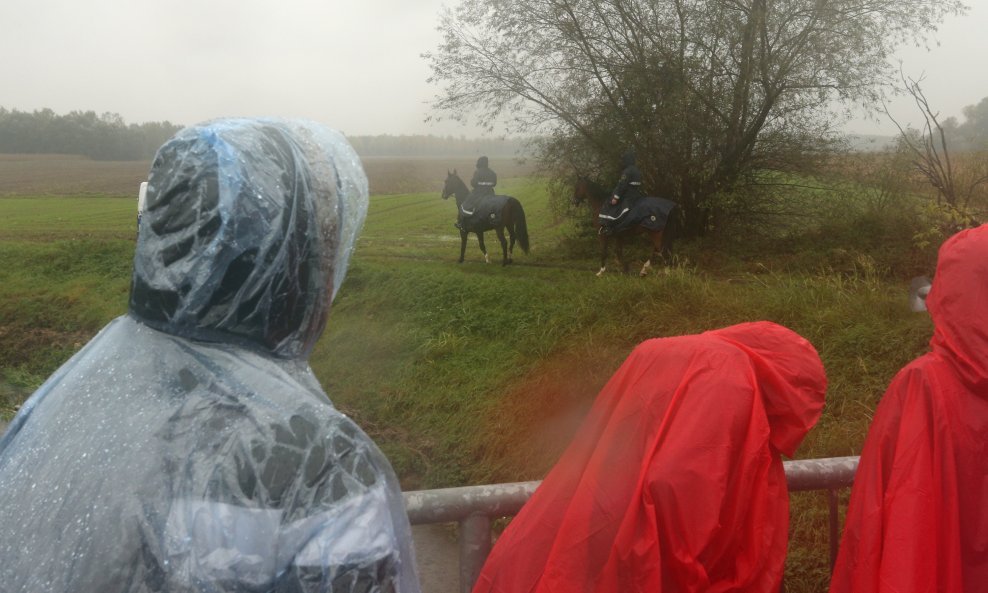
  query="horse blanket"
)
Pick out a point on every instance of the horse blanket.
point(651, 213)
point(482, 213)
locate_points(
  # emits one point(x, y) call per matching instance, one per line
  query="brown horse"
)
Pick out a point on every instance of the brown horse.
point(512, 219)
point(587, 191)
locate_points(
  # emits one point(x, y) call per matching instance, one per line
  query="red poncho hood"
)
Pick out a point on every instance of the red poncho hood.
point(958, 305)
point(674, 481)
point(789, 376)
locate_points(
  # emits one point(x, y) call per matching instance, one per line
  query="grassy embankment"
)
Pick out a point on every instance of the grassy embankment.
point(476, 373)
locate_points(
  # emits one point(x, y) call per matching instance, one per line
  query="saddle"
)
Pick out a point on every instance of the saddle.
point(482, 213)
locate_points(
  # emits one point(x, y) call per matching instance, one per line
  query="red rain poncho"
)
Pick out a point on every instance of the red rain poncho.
point(918, 518)
point(674, 481)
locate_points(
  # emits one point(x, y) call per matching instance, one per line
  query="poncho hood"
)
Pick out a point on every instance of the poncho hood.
point(789, 375)
point(958, 305)
point(247, 232)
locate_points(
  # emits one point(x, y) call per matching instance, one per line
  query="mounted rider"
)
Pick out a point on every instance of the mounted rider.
point(483, 181)
point(614, 215)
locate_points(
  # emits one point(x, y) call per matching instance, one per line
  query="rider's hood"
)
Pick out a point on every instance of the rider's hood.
point(247, 232)
point(958, 305)
point(482, 163)
point(628, 158)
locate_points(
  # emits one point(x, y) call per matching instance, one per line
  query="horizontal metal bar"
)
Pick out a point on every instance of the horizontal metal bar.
point(828, 473)
point(447, 505)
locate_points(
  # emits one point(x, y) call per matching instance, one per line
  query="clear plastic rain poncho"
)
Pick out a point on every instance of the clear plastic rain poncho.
point(188, 446)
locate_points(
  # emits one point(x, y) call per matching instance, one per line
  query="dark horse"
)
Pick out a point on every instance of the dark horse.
point(591, 193)
point(512, 218)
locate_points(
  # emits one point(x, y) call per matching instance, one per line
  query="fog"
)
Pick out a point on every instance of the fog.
point(355, 65)
point(352, 64)
point(952, 67)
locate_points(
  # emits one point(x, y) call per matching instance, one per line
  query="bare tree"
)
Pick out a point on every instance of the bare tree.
point(930, 151)
point(708, 92)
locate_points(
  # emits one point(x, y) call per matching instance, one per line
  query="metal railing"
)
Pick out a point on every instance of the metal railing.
point(474, 507)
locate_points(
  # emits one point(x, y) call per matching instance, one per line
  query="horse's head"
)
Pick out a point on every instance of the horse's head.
point(586, 191)
point(453, 185)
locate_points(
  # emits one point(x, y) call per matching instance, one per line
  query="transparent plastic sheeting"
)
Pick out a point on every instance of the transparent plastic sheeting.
point(188, 446)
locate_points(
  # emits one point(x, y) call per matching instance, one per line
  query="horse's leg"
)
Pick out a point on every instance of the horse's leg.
point(504, 245)
point(669, 235)
point(619, 251)
point(511, 242)
point(656, 254)
point(483, 248)
point(463, 245)
point(661, 247)
point(603, 255)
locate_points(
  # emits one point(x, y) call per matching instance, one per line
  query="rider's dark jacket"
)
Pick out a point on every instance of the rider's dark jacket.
point(484, 179)
point(614, 216)
point(629, 186)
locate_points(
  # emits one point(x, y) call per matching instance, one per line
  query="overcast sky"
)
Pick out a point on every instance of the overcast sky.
point(353, 64)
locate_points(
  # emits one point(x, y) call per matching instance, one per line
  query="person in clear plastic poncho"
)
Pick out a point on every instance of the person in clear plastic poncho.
point(188, 446)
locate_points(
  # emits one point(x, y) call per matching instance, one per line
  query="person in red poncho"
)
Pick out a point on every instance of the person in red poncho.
point(674, 482)
point(918, 518)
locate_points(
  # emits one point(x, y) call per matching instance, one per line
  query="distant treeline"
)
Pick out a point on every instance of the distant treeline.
point(438, 146)
point(108, 137)
point(103, 137)
point(972, 133)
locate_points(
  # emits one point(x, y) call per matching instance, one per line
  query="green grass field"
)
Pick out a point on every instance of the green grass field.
point(476, 373)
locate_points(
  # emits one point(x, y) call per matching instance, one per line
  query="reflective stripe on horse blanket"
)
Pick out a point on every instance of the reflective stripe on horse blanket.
point(482, 213)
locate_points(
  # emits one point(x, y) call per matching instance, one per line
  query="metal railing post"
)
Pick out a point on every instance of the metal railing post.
point(834, 526)
point(475, 546)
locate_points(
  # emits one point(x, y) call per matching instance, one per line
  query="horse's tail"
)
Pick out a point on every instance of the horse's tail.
point(521, 226)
